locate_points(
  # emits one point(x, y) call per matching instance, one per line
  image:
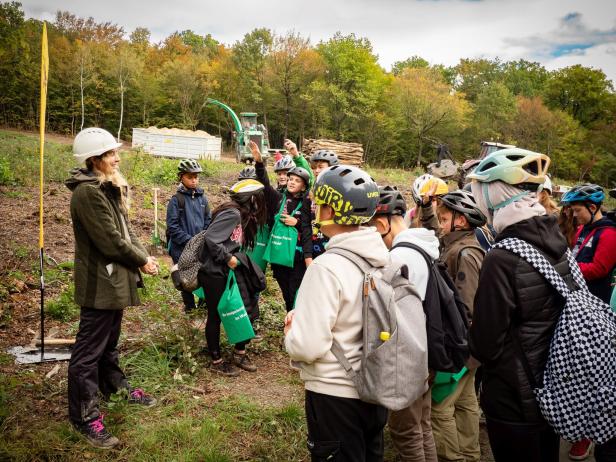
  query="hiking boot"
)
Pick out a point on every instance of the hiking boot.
point(138, 396)
point(224, 368)
point(97, 435)
point(580, 450)
point(257, 338)
point(243, 362)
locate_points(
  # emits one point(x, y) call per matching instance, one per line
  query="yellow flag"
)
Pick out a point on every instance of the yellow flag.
point(44, 76)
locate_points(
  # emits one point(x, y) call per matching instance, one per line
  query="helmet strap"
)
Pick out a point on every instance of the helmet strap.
point(318, 223)
point(592, 214)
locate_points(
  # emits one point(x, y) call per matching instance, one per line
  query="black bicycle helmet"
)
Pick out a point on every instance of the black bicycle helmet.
point(285, 163)
point(391, 201)
point(463, 202)
point(189, 166)
point(613, 193)
point(247, 173)
point(300, 172)
point(324, 155)
point(349, 191)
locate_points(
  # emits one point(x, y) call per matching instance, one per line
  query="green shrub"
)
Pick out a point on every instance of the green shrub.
point(6, 173)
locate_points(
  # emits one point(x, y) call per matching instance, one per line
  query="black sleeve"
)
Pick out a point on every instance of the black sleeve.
point(494, 306)
point(305, 227)
point(218, 233)
point(272, 197)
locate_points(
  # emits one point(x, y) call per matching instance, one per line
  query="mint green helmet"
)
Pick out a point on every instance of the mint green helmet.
point(513, 166)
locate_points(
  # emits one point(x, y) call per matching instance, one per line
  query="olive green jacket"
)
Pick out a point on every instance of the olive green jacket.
point(107, 253)
point(461, 253)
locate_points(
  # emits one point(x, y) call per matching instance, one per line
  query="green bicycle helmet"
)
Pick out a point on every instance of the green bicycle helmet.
point(189, 166)
point(514, 166)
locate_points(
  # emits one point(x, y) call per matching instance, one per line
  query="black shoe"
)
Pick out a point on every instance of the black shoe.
point(243, 362)
point(96, 433)
point(224, 368)
point(138, 396)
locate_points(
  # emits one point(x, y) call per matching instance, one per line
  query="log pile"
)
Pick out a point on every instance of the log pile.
point(348, 153)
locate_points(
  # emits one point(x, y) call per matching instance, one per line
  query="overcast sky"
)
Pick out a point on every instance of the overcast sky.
point(556, 33)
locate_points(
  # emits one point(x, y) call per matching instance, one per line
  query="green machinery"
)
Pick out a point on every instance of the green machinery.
point(247, 128)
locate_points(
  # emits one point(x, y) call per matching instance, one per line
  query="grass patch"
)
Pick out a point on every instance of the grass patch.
point(63, 307)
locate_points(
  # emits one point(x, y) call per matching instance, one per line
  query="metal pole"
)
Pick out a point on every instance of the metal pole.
point(156, 236)
point(42, 306)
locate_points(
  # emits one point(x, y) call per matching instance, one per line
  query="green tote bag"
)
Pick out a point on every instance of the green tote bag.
point(283, 241)
point(258, 251)
point(233, 313)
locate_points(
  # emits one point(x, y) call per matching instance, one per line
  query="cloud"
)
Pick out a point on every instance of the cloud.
point(572, 37)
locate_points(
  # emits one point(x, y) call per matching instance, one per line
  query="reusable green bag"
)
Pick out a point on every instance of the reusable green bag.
point(199, 293)
point(233, 313)
point(257, 252)
point(283, 240)
point(445, 383)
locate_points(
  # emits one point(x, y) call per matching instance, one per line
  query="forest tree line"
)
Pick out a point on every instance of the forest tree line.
point(103, 75)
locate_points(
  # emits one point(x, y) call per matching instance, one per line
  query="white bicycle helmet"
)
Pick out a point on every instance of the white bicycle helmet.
point(513, 166)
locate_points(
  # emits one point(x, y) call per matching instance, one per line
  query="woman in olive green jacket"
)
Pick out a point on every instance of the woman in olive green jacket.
point(108, 258)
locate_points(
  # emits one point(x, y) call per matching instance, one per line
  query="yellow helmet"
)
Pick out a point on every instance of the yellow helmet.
point(441, 187)
point(246, 187)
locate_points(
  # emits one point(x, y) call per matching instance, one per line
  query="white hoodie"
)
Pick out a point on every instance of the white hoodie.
point(418, 269)
point(329, 306)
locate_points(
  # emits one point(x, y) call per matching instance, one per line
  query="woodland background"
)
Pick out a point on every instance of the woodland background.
point(103, 75)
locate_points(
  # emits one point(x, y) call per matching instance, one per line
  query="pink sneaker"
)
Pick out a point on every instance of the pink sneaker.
point(96, 433)
point(138, 396)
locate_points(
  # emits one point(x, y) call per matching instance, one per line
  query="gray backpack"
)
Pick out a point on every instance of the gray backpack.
point(185, 274)
point(393, 371)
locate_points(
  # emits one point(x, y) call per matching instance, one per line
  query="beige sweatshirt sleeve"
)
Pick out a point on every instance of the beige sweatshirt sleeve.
point(316, 310)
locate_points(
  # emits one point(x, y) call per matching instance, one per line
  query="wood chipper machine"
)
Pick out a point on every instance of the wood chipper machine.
point(247, 129)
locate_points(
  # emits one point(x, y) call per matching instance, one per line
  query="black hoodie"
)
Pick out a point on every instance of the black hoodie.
point(513, 299)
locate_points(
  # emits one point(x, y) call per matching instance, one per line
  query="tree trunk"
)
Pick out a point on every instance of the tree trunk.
point(81, 88)
point(419, 152)
point(121, 109)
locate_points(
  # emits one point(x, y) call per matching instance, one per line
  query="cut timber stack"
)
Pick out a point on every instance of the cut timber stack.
point(348, 153)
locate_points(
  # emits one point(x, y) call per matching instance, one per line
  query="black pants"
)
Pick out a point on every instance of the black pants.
point(94, 363)
point(606, 452)
point(189, 301)
point(344, 429)
point(514, 442)
point(289, 280)
point(213, 290)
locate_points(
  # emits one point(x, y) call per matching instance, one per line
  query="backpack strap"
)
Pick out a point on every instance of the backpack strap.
point(367, 269)
point(181, 201)
point(423, 253)
point(534, 258)
point(360, 262)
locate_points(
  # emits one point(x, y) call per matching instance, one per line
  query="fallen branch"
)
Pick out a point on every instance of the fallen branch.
point(196, 389)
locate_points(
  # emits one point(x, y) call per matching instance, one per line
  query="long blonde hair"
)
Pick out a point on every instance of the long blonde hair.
point(115, 178)
point(548, 203)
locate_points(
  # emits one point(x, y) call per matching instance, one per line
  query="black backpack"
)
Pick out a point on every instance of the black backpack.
point(446, 317)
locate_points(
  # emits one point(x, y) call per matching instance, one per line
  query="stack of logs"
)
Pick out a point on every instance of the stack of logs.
point(348, 153)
